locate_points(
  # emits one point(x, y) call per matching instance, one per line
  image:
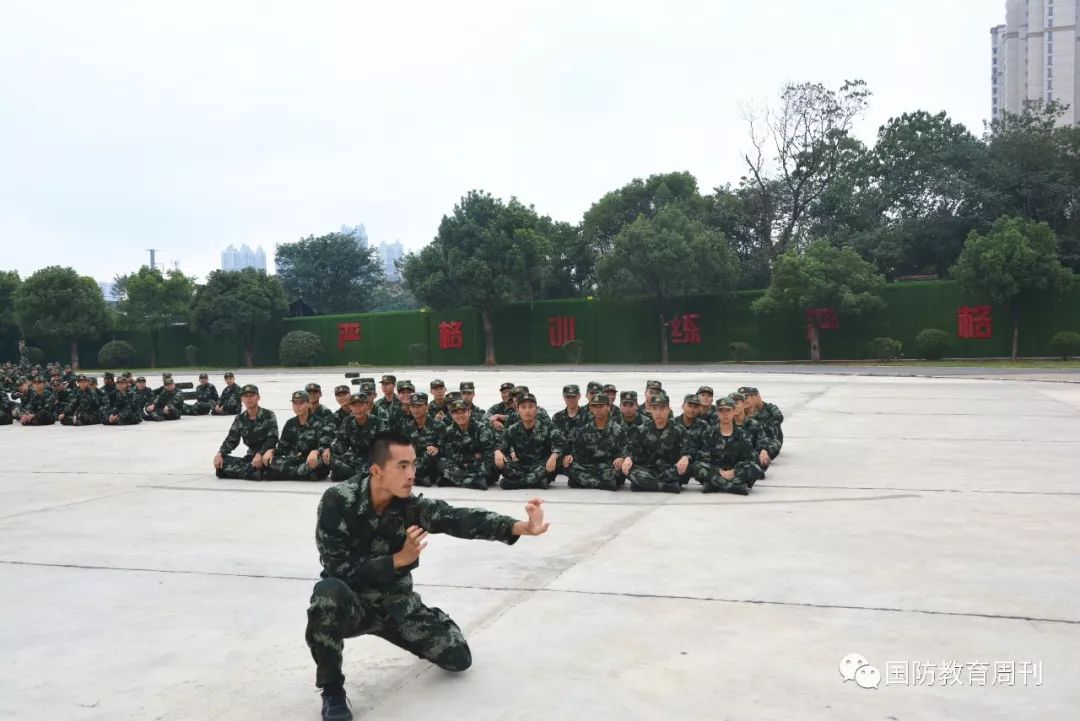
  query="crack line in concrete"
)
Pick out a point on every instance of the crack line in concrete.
point(934, 490)
point(66, 505)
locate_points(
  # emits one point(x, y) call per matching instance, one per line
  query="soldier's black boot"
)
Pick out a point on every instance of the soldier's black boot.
point(335, 707)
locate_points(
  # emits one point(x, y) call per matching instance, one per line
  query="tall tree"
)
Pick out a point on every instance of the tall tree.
point(1014, 265)
point(9, 285)
point(392, 295)
point(150, 301)
point(333, 273)
point(822, 275)
point(668, 257)
point(487, 253)
point(799, 147)
point(58, 304)
point(237, 305)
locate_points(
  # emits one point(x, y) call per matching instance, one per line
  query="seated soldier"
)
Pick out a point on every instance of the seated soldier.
point(760, 440)
point(629, 415)
point(38, 405)
point(125, 409)
point(498, 413)
point(83, 407)
point(612, 392)
point(167, 404)
point(726, 461)
point(770, 416)
point(206, 397)
point(344, 409)
point(570, 419)
point(468, 394)
point(695, 427)
point(598, 450)
point(144, 397)
point(300, 451)
point(426, 435)
point(350, 452)
point(228, 403)
point(437, 408)
point(467, 451)
point(660, 453)
point(707, 411)
point(257, 427)
point(387, 385)
point(529, 450)
point(318, 411)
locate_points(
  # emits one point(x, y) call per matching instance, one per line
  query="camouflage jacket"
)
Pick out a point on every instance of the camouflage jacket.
point(259, 434)
point(772, 418)
point(35, 402)
point(325, 416)
point(386, 406)
point(636, 422)
point(710, 416)
point(231, 392)
point(166, 397)
point(651, 446)
point(461, 446)
point(296, 441)
point(125, 403)
point(340, 416)
point(568, 426)
point(86, 401)
point(694, 432)
point(531, 446)
point(600, 446)
point(110, 391)
point(356, 543)
point(726, 452)
point(500, 409)
point(354, 440)
point(206, 393)
point(143, 397)
point(435, 409)
point(541, 417)
point(431, 434)
point(759, 436)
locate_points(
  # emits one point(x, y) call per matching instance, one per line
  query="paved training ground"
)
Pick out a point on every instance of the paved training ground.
point(907, 520)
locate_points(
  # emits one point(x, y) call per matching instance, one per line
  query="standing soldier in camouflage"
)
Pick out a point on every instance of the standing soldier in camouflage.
point(499, 412)
point(38, 407)
point(762, 443)
point(629, 415)
point(660, 453)
point(694, 426)
point(571, 418)
point(206, 397)
point(707, 411)
point(370, 533)
point(166, 406)
point(468, 394)
point(529, 450)
point(257, 427)
point(467, 451)
point(726, 462)
point(229, 401)
point(350, 451)
point(768, 414)
point(437, 408)
point(83, 407)
point(301, 447)
point(125, 409)
point(598, 451)
point(344, 411)
point(426, 435)
point(143, 397)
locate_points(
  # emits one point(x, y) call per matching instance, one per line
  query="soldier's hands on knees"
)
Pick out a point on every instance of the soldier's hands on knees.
point(500, 459)
point(313, 459)
point(513, 456)
point(218, 461)
point(415, 542)
point(617, 464)
point(552, 460)
point(728, 474)
point(628, 463)
point(682, 465)
point(763, 458)
point(568, 461)
point(432, 451)
point(326, 455)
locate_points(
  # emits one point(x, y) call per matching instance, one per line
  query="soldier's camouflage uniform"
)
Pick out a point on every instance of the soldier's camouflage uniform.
point(83, 408)
point(695, 432)
point(294, 444)
point(436, 409)
point(759, 439)
point(461, 466)
point(428, 468)
point(772, 418)
point(532, 447)
point(143, 398)
point(340, 416)
point(259, 434)
point(594, 451)
point(362, 593)
point(350, 450)
point(125, 406)
point(636, 421)
point(326, 417)
point(393, 412)
point(569, 426)
point(206, 397)
point(655, 452)
point(720, 452)
point(229, 400)
point(40, 406)
point(7, 409)
point(168, 405)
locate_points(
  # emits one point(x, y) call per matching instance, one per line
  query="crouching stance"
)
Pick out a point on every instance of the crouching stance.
point(370, 533)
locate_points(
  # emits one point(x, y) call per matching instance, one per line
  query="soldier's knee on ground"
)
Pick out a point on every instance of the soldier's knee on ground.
point(457, 657)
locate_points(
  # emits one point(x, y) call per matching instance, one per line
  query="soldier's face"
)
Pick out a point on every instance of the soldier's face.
point(612, 395)
point(301, 408)
point(571, 401)
point(397, 474)
point(250, 400)
point(439, 392)
point(418, 410)
point(229, 380)
point(83, 385)
point(600, 411)
point(403, 396)
point(342, 398)
point(740, 407)
point(121, 387)
point(468, 396)
point(360, 410)
point(629, 408)
point(527, 411)
point(461, 417)
point(204, 381)
point(689, 410)
point(387, 389)
point(726, 414)
point(505, 395)
point(658, 412)
point(314, 397)
point(141, 385)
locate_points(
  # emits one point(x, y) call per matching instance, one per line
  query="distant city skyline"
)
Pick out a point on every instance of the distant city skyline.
point(391, 253)
point(245, 257)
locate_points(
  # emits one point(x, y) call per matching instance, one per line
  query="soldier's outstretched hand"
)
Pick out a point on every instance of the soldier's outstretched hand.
point(535, 526)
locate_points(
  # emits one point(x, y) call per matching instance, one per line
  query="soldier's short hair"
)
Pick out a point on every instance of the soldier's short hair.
point(381, 444)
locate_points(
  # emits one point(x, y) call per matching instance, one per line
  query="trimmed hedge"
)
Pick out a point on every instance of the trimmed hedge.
point(300, 348)
point(932, 343)
point(886, 349)
point(116, 354)
point(1065, 344)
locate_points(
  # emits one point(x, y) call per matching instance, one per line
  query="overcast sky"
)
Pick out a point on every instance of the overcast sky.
point(190, 126)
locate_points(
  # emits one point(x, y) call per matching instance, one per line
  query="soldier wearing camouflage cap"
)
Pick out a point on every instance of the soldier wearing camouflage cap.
point(426, 435)
point(302, 447)
point(257, 427)
point(611, 392)
point(500, 412)
point(659, 452)
point(388, 405)
point(344, 409)
point(467, 451)
point(38, 406)
point(206, 397)
point(527, 453)
point(167, 403)
point(350, 453)
point(468, 394)
point(320, 413)
point(690, 420)
point(228, 403)
point(598, 451)
point(764, 445)
point(707, 412)
point(83, 407)
point(437, 407)
point(124, 409)
point(629, 414)
point(725, 463)
point(570, 419)
point(768, 414)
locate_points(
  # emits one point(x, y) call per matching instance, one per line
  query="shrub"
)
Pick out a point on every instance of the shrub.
point(116, 354)
point(300, 348)
point(932, 343)
point(740, 351)
point(886, 349)
point(35, 355)
point(574, 350)
point(191, 353)
point(1065, 344)
point(419, 353)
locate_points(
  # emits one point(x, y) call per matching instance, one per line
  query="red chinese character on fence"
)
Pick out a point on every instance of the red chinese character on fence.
point(450, 335)
point(347, 333)
point(561, 330)
point(823, 318)
point(974, 322)
point(685, 329)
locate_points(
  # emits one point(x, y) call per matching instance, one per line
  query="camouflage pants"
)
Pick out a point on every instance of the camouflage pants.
point(711, 480)
point(41, 418)
point(229, 408)
point(126, 418)
point(589, 475)
point(166, 413)
point(476, 474)
point(5, 418)
point(198, 408)
point(343, 467)
point(517, 475)
point(662, 477)
point(234, 467)
point(81, 419)
point(337, 612)
point(295, 469)
point(428, 470)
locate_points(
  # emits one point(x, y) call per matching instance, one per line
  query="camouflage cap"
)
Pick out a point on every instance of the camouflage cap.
point(651, 385)
point(312, 387)
point(661, 399)
point(692, 398)
point(80, 378)
point(748, 390)
point(594, 387)
point(467, 387)
point(508, 386)
point(338, 390)
point(458, 406)
point(93, 380)
point(166, 375)
point(142, 379)
point(365, 381)
point(201, 375)
point(705, 389)
point(387, 378)
point(726, 402)
point(230, 374)
point(600, 399)
point(404, 385)
point(123, 379)
point(299, 396)
point(167, 380)
point(628, 397)
point(38, 379)
point(571, 389)
point(455, 396)
point(610, 387)
point(418, 399)
point(437, 383)
point(109, 374)
point(519, 390)
point(360, 397)
point(526, 397)
point(368, 388)
point(737, 396)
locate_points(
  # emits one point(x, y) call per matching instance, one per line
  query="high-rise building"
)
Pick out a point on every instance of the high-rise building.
point(245, 257)
point(359, 232)
point(1035, 56)
point(391, 253)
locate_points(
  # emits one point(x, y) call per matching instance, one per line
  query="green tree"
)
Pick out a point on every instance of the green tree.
point(9, 285)
point(237, 305)
point(487, 253)
point(332, 273)
point(1015, 265)
point(392, 295)
point(668, 257)
point(821, 275)
point(151, 301)
point(58, 304)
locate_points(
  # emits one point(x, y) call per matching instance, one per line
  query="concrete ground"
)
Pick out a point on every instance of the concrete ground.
point(929, 525)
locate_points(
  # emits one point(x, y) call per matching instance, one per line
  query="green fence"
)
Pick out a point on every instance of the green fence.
point(611, 331)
